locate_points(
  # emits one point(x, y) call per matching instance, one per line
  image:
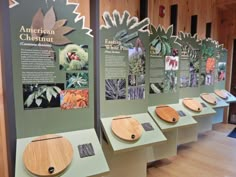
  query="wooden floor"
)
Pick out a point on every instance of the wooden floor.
point(213, 155)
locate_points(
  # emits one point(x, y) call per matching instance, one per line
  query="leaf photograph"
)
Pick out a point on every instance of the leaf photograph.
point(135, 93)
point(73, 58)
point(42, 95)
point(76, 80)
point(115, 89)
point(136, 61)
point(74, 99)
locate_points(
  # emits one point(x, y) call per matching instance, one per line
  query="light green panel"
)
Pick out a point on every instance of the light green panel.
point(79, 166)
point(164, 66)
point(37, 120)
point(206, 111)
point(183, 121)
point(213, 53)
point(148, 137)
point(221, 69)
point(189, 65)
point(123, 79)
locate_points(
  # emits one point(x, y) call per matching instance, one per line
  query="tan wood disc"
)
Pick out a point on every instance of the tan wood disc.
point(126, 128)
point(192, 104)
point(221, 94)
point(209, 98)
point(48, 155)
point(167, 113)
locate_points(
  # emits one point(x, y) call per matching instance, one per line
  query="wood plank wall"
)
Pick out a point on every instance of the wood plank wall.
point(83, 9)
point(226, 35)
point(133, 6)
point(186, 8)
point(3, 145)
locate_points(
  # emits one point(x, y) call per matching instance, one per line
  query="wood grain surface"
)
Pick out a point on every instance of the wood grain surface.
point(192, 104)
point(213, 155)
point(209, 98)
point(48, 151)
point(167, 113)
point(221, 94)
point(126, 128)
point(3, 138)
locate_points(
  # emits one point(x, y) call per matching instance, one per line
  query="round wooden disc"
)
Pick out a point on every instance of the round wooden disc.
point(209, 98)
point(48, 155)
point(126, 128)
point(167, 113)
point(192, 104)
point(221, 94)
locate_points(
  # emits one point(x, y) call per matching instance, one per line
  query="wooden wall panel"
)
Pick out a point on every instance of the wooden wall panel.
point(84, 10)
point(226, 35)
point(3, 145)
point(133, 6)
point(186, 8)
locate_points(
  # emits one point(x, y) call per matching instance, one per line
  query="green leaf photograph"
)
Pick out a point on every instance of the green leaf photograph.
point(42, 95)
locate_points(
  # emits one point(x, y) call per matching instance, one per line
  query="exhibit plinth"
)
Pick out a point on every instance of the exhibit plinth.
point(128, 158)
point(95, 165)
point(180, 132)
point(203, 118)
point(219, 108)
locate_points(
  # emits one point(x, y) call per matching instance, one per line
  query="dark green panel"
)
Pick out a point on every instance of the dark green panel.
point(47, 112)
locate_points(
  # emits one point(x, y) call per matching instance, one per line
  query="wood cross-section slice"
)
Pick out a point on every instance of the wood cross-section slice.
point(209, 98)
point(167, 113)
point(222, 94)
point(192, 104)
point(126, 128)
point(48, 155)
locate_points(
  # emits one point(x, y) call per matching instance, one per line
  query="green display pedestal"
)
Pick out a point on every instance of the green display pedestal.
point(183, 131)
point(129, 158)
point(203, 118)
point(95, 166)
point(231, 98)
point(219, 108)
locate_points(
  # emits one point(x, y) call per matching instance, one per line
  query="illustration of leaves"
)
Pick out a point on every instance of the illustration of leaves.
point(29, 100)
point(168, 47)
point(59, 23)
point(38, 101)
point(153, 30)
point(142, 24)
point(60, 40)
point(63, 30)
point(125, 18)
point(49, 19)
point(107, 19)
point(37, 22)
point(116, 16)
point(169, 31)
point(163, 47)
point(132, 22)
point(158, 48)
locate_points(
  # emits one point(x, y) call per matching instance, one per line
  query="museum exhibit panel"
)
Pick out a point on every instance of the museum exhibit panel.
point(121, 88)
